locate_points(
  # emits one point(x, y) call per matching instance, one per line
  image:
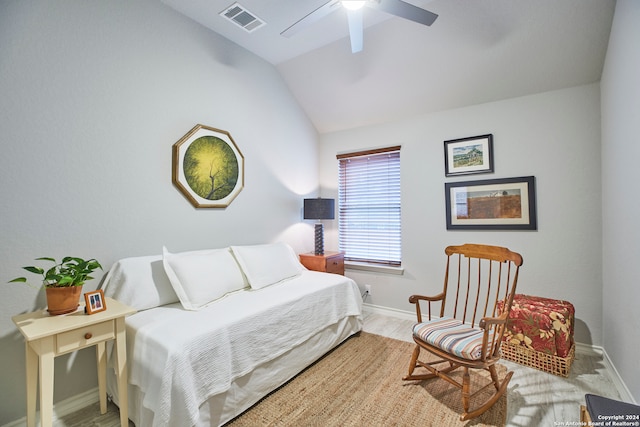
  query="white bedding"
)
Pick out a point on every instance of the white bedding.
point(179, 359)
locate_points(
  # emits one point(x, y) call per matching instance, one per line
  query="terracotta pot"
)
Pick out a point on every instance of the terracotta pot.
point(63, 300)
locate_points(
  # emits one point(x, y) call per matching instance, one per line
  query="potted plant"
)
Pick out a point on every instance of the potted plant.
point(63, 281)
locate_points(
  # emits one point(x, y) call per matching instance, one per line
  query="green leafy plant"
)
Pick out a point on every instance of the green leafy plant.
point(71, 271)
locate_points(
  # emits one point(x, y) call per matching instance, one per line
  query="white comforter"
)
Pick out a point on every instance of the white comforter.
point(180, 358)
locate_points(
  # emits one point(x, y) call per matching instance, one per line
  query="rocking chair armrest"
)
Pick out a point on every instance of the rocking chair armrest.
point(486, 322)
point(491, 341)
point(414, 299)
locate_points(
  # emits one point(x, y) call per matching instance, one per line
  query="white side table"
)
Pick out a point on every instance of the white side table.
point(49, 336)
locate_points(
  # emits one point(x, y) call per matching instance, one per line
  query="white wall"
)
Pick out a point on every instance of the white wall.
point(621, 202)
point(95, 93)
point(554, 136)
point(93, 96)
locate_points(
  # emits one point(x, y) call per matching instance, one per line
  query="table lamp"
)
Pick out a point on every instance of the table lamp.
point(319, 209)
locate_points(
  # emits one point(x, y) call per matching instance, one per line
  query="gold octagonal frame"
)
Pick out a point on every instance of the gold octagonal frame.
point(208, 167)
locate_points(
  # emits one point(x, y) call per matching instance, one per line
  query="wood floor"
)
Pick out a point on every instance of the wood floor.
point(534, 398)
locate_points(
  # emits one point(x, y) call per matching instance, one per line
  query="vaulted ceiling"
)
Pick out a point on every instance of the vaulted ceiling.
point(476, 51)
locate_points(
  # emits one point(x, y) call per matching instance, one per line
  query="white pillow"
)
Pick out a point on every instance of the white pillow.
point(264, 265)
point(139, 282)
point(201, 277)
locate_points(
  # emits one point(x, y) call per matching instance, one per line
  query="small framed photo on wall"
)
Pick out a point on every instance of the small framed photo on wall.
point(468, 156)
point(94, 302)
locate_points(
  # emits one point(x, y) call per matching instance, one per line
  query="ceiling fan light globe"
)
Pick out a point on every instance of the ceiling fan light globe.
point(353, 4)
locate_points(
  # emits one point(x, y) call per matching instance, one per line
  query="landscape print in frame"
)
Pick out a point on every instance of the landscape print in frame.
point(208, 167)
point(468, 156)
point(495, 204)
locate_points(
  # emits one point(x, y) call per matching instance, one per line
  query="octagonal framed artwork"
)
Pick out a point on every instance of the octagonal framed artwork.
point(208, 167)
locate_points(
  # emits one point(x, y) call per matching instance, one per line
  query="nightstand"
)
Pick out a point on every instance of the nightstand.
point(330, 262)
point(49, 336)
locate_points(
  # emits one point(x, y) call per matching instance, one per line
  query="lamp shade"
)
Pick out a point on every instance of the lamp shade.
point(319, 208)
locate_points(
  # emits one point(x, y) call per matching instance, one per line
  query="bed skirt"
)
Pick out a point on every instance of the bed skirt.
point(250, 388)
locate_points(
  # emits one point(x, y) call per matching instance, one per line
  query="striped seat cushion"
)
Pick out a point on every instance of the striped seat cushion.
point(452, 336)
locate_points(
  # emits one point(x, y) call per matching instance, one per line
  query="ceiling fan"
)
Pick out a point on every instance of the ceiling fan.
point(354, 14)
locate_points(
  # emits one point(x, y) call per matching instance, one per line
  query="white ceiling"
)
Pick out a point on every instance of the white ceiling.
point(477, 51)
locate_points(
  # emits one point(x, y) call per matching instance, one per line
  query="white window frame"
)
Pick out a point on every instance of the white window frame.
point(369, 209)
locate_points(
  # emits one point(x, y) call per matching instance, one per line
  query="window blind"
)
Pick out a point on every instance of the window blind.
point(369, 228)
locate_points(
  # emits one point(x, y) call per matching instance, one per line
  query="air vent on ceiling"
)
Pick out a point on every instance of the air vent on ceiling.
point(240, 16)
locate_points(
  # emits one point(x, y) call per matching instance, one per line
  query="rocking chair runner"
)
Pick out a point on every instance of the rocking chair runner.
point(468, 332)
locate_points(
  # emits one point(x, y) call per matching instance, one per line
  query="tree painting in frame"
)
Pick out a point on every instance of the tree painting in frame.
point(208, 167)
point(468, 156)
point(495, 204)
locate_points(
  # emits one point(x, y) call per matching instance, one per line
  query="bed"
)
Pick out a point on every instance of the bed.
point(217, 330)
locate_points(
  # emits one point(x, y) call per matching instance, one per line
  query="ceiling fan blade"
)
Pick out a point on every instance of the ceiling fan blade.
point(312, 17)
point(355, 29)
point(404, 10)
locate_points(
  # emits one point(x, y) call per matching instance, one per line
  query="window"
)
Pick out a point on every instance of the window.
point(369, 206)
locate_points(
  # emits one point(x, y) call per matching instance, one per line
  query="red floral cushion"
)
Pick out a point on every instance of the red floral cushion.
point(541, 324)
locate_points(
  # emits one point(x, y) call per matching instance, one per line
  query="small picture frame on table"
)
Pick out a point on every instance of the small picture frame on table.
point(94, 302)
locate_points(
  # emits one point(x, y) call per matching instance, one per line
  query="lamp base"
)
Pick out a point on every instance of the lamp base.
point(319, 234)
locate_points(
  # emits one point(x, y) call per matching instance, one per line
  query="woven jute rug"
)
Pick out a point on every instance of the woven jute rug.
point(360, 384)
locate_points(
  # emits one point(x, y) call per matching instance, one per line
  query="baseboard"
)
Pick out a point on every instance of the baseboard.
point(64, 407)
point(610, 369)
point(391, 312)
point(586, 349)
point(625, 393)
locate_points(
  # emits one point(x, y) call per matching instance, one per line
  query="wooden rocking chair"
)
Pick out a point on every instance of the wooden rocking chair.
point(468, 330)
